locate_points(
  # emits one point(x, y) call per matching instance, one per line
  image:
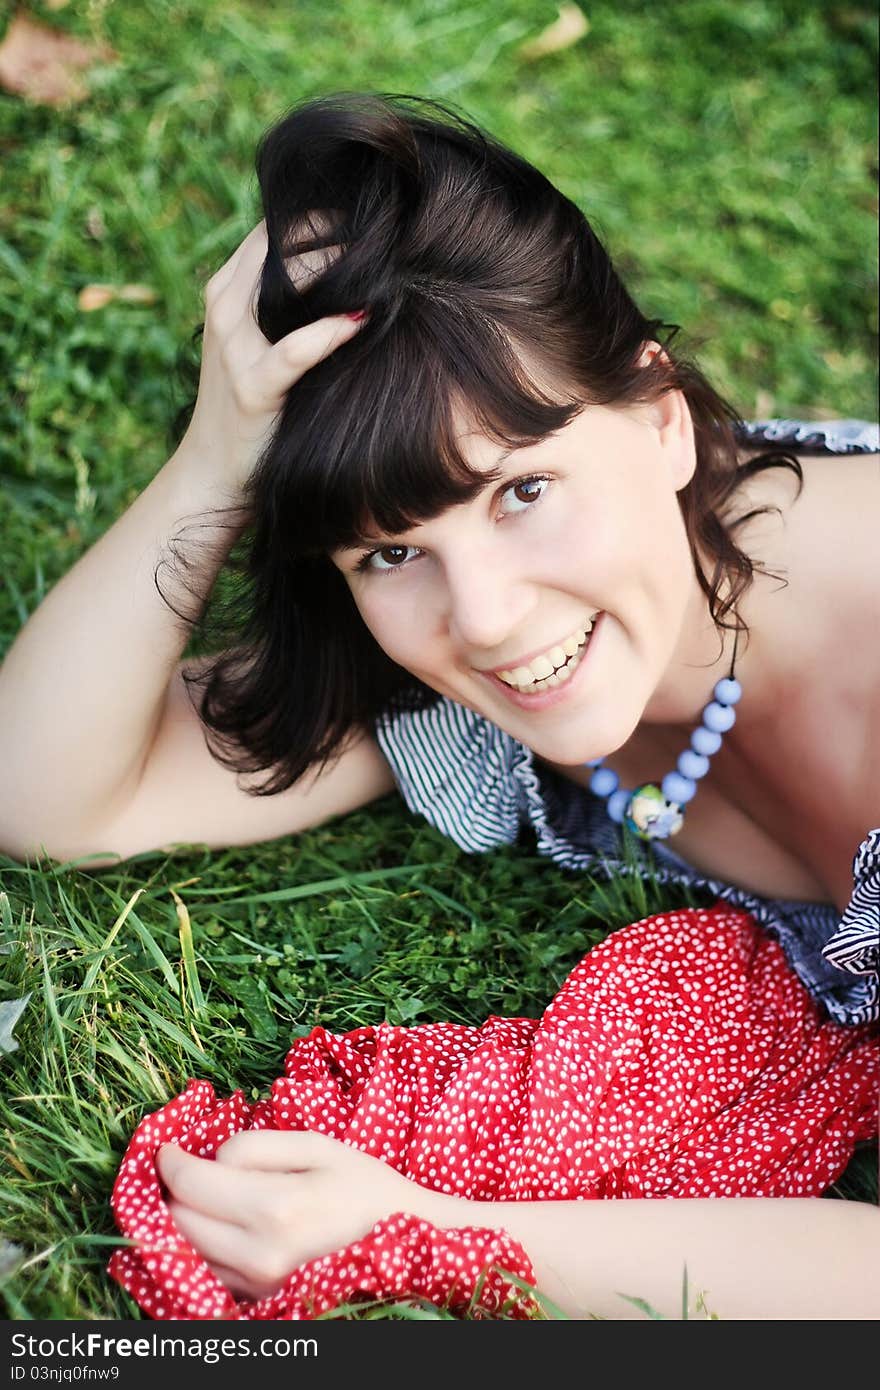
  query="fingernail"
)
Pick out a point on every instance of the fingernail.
point(358, 314)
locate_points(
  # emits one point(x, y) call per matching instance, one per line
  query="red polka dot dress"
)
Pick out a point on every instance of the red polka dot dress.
point(681, 1058)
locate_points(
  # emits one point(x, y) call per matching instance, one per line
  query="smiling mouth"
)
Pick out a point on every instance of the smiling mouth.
point(553, 667)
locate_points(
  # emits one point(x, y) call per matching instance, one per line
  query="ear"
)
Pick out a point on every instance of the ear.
point(669, 414)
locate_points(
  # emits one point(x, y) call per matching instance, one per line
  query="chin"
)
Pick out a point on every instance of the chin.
point(575, 746)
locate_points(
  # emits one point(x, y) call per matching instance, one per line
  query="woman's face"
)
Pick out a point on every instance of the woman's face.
point(575, 561)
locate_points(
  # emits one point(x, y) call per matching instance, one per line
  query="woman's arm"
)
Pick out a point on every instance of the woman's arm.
point(254, 1220)
point(752, 1258)
point(84, 684)
point(83, 690)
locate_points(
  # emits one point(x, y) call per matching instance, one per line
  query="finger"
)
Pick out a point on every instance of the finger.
point(234, 1281)
point(215, 1240)
point(281, 366)
point(308, 266)
point(221, 278)
point(272, 1150)
point(244, 275)
point(305, 266)
point(205, 1185)
point(252, 1263)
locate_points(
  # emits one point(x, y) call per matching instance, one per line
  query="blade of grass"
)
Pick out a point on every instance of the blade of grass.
point(55, 1017)
point(308, 890)
point(193, 986)
point(171, 1030)
point(94, 969)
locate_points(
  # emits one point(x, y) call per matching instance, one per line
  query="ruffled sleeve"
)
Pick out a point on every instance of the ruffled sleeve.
point(456, 769)
point(815, 436)
point(479, 785)
point(855, 946)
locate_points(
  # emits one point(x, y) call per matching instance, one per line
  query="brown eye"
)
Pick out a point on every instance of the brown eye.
point(391, 557)
point(528, 491)
point(523, 494)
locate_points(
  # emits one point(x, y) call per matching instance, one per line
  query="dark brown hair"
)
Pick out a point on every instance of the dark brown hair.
point(470, 263)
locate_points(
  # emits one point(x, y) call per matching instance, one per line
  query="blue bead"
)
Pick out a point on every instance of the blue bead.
point(719, 718)
point(594, 762)
point(728, 691)
point(604, 781)
point(617, 804)
point(693, 765)
point(705, 741)
point(677, 788)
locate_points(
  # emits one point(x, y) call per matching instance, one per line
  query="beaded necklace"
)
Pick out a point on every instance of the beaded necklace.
point(656, 813)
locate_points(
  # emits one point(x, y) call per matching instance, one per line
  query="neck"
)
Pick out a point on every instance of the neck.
point(703, 655)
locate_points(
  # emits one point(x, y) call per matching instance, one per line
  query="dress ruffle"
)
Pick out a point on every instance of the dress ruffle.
point(681, 1058)
point(855, 945)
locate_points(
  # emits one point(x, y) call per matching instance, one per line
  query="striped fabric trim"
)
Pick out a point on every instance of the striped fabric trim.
point(855, 945)
point(815, 436)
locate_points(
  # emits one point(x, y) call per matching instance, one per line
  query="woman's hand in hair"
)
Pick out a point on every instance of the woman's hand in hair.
point(273, 1200)
point(244, 378)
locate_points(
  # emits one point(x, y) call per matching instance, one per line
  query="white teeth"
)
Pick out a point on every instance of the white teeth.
point(553, 667)
point(544, 665)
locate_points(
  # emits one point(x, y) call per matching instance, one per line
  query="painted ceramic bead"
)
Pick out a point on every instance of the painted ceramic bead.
point(651, 815)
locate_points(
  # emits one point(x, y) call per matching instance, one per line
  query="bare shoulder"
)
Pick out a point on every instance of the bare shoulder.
point(827, 528)
point(833, 525)
point(185, 796)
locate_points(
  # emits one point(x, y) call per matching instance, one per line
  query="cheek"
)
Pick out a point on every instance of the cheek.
point(589, 551)
point(625, 550)
point(394, 620)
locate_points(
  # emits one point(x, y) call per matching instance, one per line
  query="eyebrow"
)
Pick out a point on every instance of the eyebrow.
point(363, 541)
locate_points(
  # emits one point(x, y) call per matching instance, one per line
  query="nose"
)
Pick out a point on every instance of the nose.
point(487, 602)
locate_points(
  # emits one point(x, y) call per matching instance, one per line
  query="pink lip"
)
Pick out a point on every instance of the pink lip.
point(545, 699)
point(523, 660)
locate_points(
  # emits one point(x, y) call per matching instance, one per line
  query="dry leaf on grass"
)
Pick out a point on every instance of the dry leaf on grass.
point(95, 224)
point(571, 25)
point(11, 1011)
point(44, 65)
point(138, 294)
point(93, 297)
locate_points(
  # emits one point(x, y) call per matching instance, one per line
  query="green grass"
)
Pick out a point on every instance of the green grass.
point(726, 150)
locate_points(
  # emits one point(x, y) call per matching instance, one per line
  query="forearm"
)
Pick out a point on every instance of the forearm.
point(799, 1259)
point(82, 687)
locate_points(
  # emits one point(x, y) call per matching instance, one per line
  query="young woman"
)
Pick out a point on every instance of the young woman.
point(512, 553)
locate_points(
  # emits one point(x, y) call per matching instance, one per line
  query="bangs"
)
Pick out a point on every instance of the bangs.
point(375, 446)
